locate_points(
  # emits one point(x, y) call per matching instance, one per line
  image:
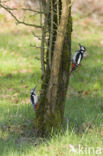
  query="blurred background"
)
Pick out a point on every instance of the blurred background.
point(92, 9)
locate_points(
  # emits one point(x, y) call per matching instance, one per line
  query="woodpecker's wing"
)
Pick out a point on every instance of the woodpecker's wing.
point(35, 99)
point(32, 100)
point(74, 57)
point(79, 58)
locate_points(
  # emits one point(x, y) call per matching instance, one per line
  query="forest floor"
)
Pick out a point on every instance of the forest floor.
point(20, 72)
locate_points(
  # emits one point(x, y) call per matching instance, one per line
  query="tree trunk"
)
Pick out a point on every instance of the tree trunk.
point(50, 113)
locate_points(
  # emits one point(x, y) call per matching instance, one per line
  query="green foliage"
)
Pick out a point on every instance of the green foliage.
point(20, 71)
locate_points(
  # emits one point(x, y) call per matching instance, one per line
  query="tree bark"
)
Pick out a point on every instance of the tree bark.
point(50, 113)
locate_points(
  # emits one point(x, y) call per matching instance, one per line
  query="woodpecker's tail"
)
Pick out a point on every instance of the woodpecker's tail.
point(73, 67)
point(36, 107)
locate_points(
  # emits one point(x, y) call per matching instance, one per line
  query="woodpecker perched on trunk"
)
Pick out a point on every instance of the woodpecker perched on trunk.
point(77, 58)
point(34, 98)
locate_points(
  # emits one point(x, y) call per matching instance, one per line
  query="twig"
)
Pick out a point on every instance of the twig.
point(39, 37)
point(31, 45)
point(58, 12)
point(51, 35)
point(17, 20)
point(42, 40)
point(37, 46)
point(89, 13)
point(72, 1)
point(24, 9)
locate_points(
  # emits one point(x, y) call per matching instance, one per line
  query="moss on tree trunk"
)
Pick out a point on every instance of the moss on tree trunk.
point(50, 113)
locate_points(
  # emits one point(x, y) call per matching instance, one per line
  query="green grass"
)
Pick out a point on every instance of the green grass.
point(20, 71)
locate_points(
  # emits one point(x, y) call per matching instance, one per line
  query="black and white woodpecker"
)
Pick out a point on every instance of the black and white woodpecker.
point(77, 58)
point(34, 98)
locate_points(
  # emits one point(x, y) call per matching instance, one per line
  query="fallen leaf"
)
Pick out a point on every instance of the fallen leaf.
point(25, 86)
point(4, 127)
point(28, 100)
point(9, 75)
point(29, 71)
point(2, 74)
point(101, 42)
point(89, 126)
point(23, 71)
point(14, 72)
point(16, 94)
point(101, 133)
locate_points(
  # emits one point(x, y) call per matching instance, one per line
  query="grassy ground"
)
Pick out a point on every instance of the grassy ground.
point(20, 71)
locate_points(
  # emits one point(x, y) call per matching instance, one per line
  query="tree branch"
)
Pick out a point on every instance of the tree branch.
point(51, 34)
point(42, 40)
point(39, 47)
point(17, 20)
point(38, 37)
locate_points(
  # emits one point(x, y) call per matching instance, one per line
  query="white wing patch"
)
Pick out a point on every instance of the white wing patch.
point(79, 59)
point(74, 57)
point(35, 99)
